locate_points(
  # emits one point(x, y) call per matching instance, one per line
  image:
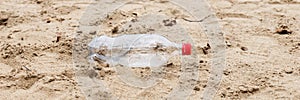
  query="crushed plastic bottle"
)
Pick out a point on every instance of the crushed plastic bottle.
point(136, 50)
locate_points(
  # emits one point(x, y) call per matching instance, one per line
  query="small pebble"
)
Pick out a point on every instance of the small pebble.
point(201, 61)
point(255, 87)
point(17, 30)
point(243, 88)
point(135, 14)
point(102, 73)
point(79, 31)
point(93, 32)
point(288, 70)
point(228, 44)
point(9, 36)
point(244, 48)
point(197, 88)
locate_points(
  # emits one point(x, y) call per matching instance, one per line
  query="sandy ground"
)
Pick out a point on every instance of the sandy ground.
point(262, 40)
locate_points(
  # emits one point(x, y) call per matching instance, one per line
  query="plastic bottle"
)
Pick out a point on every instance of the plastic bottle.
point(136, 50)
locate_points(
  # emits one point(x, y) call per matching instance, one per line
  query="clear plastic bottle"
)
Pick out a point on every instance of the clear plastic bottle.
point(136, 50)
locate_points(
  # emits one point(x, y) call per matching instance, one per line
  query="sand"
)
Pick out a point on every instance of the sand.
point(39, 39)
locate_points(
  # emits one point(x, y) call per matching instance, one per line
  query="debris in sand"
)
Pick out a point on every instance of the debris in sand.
point(226, 72)
point(115, 30)
point(206, 48)
point(26, 68)
point(197, 20)
point(283, 29)
point(169, 22)
point(58, 37)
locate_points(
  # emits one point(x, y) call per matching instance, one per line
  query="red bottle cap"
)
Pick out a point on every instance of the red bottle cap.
point(186, 49)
